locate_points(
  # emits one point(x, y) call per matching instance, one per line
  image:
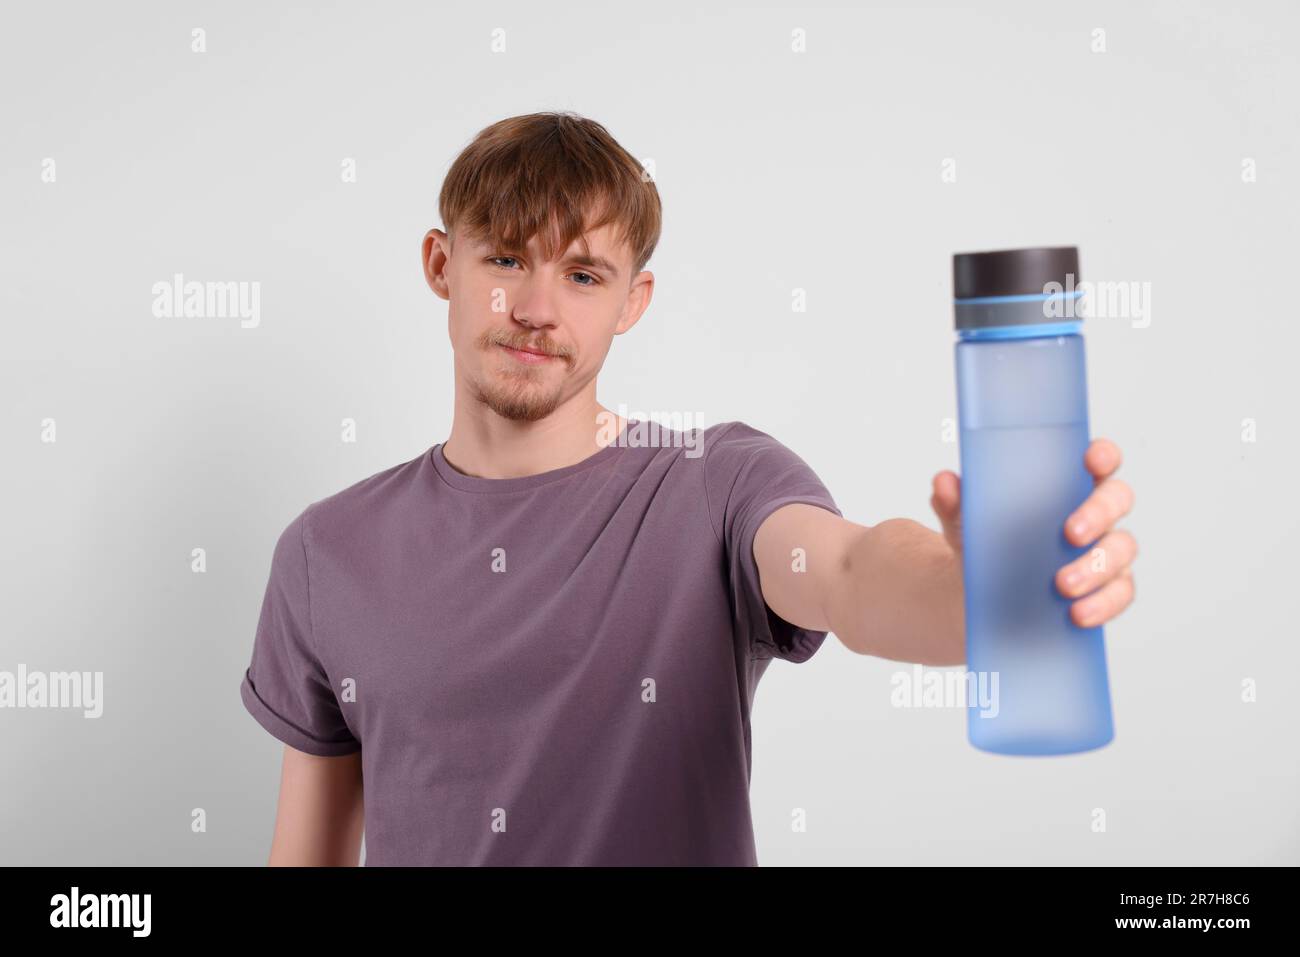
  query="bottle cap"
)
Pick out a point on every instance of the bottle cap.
point(1013, 286)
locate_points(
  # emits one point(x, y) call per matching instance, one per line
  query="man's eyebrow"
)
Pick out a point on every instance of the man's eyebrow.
point(595, 261)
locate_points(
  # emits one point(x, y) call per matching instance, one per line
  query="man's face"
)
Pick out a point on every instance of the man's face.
point(530, 334)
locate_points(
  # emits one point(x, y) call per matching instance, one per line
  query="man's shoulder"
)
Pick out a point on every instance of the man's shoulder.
point(735, 439)
point(371, 504)
point(721, 440)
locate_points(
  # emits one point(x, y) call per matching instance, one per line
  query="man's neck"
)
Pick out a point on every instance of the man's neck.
point(485, 445)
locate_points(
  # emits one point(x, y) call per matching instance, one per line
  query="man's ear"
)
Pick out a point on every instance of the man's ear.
point(434, 253)
point(637, 301)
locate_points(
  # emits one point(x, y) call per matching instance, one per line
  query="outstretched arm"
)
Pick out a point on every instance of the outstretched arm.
point(894, 590)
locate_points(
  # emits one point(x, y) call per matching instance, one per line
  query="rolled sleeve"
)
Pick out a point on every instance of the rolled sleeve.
point(749, 476)
point(285, 687)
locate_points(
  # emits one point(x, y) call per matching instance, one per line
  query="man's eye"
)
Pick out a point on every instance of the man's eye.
point(509, 262)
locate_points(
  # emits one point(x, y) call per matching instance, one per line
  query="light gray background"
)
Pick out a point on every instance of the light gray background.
point(778, 170)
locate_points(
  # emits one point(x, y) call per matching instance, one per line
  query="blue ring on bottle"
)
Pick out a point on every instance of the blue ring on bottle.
point(1028, 330)
point(1025, 297)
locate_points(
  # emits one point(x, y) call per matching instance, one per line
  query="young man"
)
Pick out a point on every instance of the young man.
point(538, 641)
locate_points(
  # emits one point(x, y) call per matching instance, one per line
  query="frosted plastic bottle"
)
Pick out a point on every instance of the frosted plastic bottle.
point(1022, 410)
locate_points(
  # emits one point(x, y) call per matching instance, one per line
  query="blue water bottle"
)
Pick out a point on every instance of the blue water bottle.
point(1038, 682)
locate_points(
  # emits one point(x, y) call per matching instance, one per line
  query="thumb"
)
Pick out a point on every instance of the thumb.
point(945, 499)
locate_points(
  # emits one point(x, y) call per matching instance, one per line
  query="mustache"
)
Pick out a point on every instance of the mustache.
point(530, 345)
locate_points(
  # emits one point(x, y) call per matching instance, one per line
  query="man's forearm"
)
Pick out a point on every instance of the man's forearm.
point(320, 818)
point(898, 594)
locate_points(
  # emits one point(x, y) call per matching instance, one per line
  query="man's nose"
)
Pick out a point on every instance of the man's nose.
point(534, 300)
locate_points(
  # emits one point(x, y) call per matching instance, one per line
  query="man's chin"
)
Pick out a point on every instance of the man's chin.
point(518, 413)
point(520, 405)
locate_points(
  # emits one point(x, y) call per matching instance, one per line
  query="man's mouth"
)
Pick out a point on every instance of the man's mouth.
point(528, 355)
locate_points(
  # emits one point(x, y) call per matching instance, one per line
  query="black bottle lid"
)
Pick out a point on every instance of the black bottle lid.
point(1014, 272)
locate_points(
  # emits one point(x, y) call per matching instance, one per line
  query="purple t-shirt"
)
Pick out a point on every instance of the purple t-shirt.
point(555, 669)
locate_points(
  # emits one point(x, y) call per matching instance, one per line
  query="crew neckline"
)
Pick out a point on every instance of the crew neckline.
point(477, 483)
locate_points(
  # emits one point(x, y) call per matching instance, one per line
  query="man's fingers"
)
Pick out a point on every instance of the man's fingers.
point(1101, 459)
point(1106, 602)
point(946, 502)
point(1109, 501)
point(1105, 561)
point(947, 494)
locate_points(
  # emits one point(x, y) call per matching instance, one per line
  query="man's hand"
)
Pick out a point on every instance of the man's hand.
point(1102, 578)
